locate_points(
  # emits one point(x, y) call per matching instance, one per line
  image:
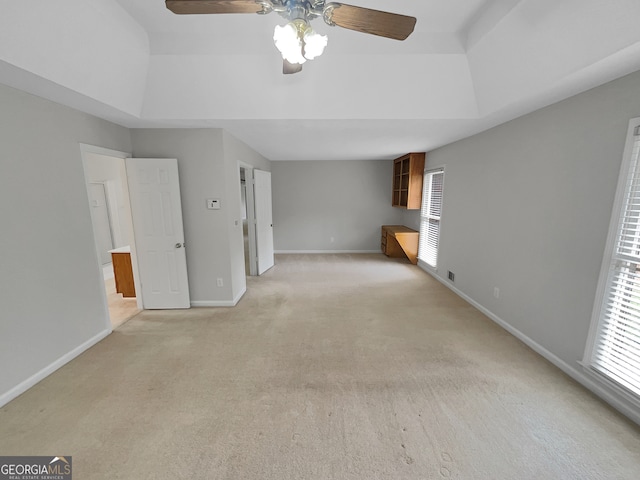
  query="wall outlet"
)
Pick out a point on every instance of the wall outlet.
point(220, 282)
point(496, 292)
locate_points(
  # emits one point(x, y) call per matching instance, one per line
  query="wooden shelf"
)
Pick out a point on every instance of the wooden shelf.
point(408, 172)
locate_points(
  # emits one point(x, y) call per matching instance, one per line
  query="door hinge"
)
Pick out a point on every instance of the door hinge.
point(636, 132)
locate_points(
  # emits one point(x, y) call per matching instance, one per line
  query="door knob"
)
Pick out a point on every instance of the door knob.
point(178, 245)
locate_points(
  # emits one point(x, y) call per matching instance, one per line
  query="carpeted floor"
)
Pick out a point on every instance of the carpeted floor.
point(331, 367)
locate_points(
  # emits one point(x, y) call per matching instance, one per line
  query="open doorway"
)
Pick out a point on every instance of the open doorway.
point(105, 176)
point(248, 220)
point(245, 224)
point(255, 191)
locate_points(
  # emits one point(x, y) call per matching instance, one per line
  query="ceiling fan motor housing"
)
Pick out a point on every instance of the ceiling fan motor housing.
point(294, 9)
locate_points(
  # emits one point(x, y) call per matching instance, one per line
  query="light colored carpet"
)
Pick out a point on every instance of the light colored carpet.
point(331, 367)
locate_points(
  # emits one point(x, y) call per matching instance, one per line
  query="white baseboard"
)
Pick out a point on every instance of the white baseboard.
point(329, 252)
point(239, 296)
point(220, 303)
point(48, 370)
point(213, 303)
point(590, 384)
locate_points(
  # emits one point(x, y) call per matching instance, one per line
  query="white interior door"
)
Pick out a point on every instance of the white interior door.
point(264, 220)
point(159, 236)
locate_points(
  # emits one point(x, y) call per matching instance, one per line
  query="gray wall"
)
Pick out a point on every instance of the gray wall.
point(208, 168)
point(411, 219)
point(315, 201)
point(51, 290)
point(235, 152)
point(527, 208)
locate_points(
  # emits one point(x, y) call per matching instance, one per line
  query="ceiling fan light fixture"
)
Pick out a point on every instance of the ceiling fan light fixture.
point(289, 43)
point(298, 42)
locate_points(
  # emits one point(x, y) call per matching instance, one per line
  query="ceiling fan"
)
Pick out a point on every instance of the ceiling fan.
point(297, 41)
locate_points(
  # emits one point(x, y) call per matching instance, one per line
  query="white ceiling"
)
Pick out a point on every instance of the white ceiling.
point(469, 65)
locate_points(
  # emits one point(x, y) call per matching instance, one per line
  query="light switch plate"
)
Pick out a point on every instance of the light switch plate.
point(213, 203)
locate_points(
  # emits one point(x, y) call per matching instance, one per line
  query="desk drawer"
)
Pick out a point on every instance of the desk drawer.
point(383, 241)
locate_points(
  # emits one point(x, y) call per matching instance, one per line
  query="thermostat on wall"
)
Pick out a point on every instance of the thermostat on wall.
point(213, 203)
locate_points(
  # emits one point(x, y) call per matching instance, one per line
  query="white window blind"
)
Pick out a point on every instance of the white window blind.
point(616, 347)
point(430, 217)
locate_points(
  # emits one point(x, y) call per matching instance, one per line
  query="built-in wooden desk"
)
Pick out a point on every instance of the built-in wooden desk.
point(122, 271)
point(399, 241)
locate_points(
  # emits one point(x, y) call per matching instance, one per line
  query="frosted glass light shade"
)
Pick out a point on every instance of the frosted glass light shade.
point(298, 42)
point(314, 44)
point(289, 43)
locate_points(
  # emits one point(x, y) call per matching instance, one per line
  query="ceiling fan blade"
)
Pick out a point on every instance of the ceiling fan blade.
point(289, 68)
point(183, 7)
point(375, 22)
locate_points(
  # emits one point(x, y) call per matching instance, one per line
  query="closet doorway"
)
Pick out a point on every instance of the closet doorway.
point(257, 221)
point(248, 220)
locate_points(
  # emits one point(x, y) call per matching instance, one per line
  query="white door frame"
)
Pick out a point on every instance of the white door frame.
point(251, 218)
point(86, 149)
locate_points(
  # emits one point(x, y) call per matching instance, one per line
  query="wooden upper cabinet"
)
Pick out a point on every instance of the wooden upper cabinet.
point(408, 172)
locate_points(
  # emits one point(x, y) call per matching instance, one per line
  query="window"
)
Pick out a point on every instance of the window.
point(430, 217)
point(615, 346)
